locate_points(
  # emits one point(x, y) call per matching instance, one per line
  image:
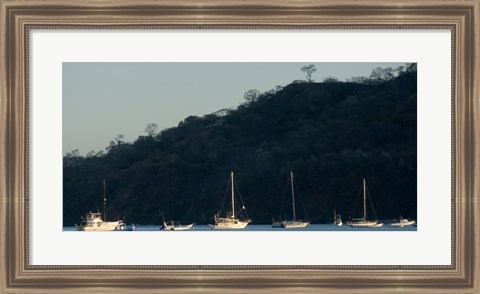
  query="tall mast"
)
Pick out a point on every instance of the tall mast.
point(233, 197)
point(364, 199)
point(293, 196)
point(104, 203)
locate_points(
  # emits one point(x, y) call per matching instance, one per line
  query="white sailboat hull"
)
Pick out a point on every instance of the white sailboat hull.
point(402, 223)
point(229, 224)
point(364, 224)
point(294, 224)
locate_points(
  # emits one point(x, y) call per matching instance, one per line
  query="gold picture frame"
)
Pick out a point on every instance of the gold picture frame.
point(18, 17)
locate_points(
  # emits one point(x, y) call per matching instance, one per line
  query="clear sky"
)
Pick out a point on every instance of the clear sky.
point(102, 100)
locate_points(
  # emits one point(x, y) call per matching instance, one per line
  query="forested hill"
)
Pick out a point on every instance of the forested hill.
point(329, 134)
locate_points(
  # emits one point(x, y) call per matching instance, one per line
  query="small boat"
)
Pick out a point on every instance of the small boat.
point(402, 222)
point(294, 223)
point(175, 226)
point(337, 219)
point(363, 222)
point(93, 221)
point(231, 220)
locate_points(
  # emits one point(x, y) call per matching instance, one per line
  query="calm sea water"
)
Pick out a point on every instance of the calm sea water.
point(312, 227)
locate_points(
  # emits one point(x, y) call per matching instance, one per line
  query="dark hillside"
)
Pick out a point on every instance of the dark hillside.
point(329, 134)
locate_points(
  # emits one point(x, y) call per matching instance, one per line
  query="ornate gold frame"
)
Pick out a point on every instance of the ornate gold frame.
point(18, 17)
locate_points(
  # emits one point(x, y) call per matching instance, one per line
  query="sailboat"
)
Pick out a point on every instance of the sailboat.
point(294, 223)
point(93, 221)
point(337, 219)
point(363, 222)
point(230, 221)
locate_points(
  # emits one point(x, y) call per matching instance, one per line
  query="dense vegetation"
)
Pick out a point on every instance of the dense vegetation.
point(329, 134)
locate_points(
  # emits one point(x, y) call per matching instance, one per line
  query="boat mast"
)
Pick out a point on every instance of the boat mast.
point(233, 197)
point(293, 196)
point(364, 199)
point(104, 203)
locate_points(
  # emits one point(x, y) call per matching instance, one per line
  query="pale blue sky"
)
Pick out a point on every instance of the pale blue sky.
point(101, 100)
